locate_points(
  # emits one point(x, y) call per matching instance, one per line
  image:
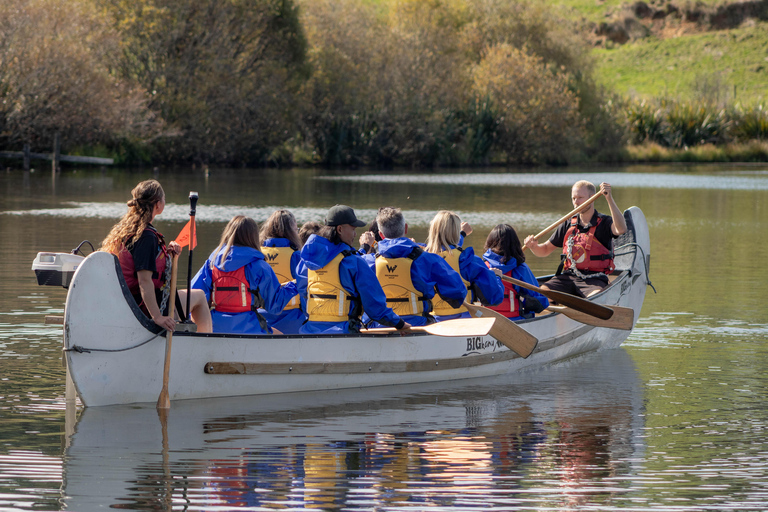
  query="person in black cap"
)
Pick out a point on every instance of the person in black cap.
point(335, 283)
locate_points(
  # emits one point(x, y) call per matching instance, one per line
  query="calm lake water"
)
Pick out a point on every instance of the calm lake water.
point(673, 420)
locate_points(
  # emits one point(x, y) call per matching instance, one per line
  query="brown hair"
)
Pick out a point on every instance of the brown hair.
point(140, 210)
point(309, 228)
point(281, 224)
point(444, 231)
point(241, 231)
point(503, 240)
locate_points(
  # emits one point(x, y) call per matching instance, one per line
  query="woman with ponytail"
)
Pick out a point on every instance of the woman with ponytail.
point(146, 260)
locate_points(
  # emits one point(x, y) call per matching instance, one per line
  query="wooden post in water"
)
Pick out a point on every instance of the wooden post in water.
point(26, 157)
point(56, 152)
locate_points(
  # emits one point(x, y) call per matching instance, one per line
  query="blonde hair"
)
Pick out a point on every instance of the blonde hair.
point(241, 231)
point(585, 184)
point(281, 224)
point(140, 210)
point(444, 231)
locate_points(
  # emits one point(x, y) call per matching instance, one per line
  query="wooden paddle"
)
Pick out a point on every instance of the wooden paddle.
point(514, 337)
point(622, 318)
point(164, 400)
point(455, 327)
point(583, 206)
point(566, 299)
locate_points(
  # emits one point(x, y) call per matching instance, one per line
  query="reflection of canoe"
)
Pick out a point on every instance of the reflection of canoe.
point(236, 449)
point(115, 354)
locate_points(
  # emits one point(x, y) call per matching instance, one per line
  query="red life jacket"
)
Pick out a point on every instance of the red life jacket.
point(128, 266)
point(588, 253)
point(510, 306)
point(231, 292)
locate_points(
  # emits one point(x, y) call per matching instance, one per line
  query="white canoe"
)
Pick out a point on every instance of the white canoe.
point(115, 355)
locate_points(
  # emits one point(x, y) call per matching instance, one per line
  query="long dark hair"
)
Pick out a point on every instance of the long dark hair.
point(503, 240)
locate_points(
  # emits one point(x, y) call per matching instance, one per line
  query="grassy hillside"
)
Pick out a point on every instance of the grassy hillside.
point(686, 55)
point(719, 65)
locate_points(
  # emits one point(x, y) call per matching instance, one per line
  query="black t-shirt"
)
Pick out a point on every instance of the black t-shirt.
point(603, 233)
point(145, 251)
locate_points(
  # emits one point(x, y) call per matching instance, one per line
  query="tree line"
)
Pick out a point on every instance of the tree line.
point(414, 83)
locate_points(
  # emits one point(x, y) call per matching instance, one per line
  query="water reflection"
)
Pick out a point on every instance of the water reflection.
point(476, 445)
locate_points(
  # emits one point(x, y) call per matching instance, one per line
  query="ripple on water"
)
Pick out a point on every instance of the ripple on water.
point(223, 213)
point(637, 180)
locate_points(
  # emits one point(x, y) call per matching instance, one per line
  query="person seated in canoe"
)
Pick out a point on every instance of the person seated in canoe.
point(503, 251)
point(336, 284)
point(237, 281)
point(280, 244)
point(409, 275)
point(587, 244)
point(145, 259)
point(482, 283)
point(369, 239)
point(308, 228)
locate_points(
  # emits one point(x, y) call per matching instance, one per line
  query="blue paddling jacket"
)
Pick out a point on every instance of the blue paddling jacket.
point(429, 274)
point(356, 280)
point(260, 277)
point(520, 272)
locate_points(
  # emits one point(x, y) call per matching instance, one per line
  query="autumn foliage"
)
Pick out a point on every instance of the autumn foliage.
point(334, 82)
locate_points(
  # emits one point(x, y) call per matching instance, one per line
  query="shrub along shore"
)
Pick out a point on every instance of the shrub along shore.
point(338, 83)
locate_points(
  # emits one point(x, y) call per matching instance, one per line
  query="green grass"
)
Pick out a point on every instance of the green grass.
point(723, 66)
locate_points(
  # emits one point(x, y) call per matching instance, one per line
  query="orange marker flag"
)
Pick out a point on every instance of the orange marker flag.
point(183, 238)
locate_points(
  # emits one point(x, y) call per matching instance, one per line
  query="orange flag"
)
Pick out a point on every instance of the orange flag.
point(183, 238)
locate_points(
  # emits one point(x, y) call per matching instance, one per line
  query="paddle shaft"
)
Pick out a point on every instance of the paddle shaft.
point(566, 299)
point(583, 206)
point(192, 210)
point(164, 400)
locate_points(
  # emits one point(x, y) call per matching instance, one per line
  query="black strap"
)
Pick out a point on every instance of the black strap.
point(180, 308)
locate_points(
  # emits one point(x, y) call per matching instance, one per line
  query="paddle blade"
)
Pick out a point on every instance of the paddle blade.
point(622, 318)
point(456, 327)
point(579, 304)
point(510, 334)
point(460, 327)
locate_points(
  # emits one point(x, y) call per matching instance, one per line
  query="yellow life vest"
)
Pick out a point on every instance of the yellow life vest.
point(279, 258)
point(327, 301)
point(394, 274)
point(442, 308)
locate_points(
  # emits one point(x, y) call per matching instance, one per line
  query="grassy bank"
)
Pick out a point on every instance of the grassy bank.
point(754, 151)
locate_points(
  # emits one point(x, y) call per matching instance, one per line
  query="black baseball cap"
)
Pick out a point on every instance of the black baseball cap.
point(342, 214)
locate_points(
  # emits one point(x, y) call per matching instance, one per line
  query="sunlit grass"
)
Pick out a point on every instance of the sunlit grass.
point(723, 66)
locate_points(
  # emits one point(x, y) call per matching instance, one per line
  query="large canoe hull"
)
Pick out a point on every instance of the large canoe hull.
point(115, 354)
